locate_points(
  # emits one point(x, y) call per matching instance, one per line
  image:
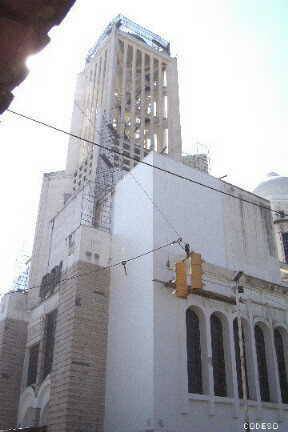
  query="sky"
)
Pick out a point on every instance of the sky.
point(232, 65)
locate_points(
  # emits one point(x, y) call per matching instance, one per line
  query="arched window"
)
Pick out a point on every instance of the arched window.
point(218, 356)
point(280, 353)
point(237, 358)
point(262, 363)
point(194, 367)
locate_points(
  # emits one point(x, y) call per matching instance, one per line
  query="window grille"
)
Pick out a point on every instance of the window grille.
point(218, 356)
point(237, 358)
point(285, 245)
point(48, 342)
point(194, 367)
point(33, 365)
point(262, 364)
point(280, 353)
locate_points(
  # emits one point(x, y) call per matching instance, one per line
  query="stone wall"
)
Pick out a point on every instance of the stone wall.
point(78, 373)
point(13, 335)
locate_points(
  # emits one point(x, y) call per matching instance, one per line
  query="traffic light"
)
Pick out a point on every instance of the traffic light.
point(196, 270)
point(191, 266)
point(181, 280)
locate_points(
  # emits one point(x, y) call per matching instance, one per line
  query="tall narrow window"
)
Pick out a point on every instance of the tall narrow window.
point(285, 245)
point(262, 364)
point(49, 341)
point(282, 369)
point(33, 365)
point(218, 356)
point(238, 361)
point(194, 367)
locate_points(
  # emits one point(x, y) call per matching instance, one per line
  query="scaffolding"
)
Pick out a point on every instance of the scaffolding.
point(96, 205)
point(20, 283)
point(128, 26)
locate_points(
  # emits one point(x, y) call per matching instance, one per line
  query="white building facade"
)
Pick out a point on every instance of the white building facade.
point(180, 369)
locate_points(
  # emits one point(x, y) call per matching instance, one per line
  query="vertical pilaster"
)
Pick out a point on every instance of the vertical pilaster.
point(233, 371)
point(133, 98)
point(90, 101)
point(142, 115)
point(123, 95)
point(160, 108)
point(104, 63)
point(99, 74)
point(96, 95)
point(254, 362)
point(210, 366)
point(274, 382)
point(93, 113)
point(111, 71)
point(99, 124)
point(152, 101)
point(174, 128)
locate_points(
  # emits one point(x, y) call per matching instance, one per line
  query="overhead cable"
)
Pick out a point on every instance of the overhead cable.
point(117, 264)
point(143, 162)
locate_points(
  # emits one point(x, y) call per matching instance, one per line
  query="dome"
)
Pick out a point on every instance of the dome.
point(274, 187)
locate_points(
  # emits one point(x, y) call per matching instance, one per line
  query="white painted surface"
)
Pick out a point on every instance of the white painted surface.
point(226, 231)
point(89, 243)
point(146, 365)
point(129, 397)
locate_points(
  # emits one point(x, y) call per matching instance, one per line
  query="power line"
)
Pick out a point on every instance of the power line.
point(140, 185)
point(123, 262)
point(137, 181)
point(278, 212)
point(169, 223)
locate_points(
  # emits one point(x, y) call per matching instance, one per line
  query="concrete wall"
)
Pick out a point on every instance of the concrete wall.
point(74, 146)
point(250, 243)
point(146, 364)
point(129, 388)
point(55, 185)
point(227, 232)
point(13, 333)
point(89, 244)
point(86, 119)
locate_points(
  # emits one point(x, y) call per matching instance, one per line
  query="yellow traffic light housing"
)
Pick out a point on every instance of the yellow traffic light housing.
point(196, 270)
point(192, 267)
point(181, 280)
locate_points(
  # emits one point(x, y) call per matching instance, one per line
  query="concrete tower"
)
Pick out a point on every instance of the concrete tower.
point(127, 97)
